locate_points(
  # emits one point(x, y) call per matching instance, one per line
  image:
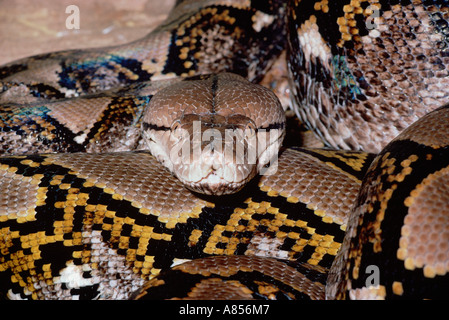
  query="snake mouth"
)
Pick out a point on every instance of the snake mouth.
point(216, 189)
point(215, 177)
point(216, 185)
point(216, 166)
point(218, 133)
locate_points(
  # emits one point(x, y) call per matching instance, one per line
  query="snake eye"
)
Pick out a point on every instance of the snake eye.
point(250, 130)
point(176, 129)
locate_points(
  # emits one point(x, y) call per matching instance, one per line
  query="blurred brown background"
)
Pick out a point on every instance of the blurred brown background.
point(29, 27)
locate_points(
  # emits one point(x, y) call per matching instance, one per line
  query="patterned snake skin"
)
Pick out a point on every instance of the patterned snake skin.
point(87, 212)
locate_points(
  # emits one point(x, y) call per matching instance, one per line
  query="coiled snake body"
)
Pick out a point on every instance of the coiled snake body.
point(89, 208)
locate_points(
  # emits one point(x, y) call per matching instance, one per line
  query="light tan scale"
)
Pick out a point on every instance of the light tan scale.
point(314, 179)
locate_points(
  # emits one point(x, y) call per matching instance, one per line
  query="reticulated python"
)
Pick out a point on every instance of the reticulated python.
point(102, 218)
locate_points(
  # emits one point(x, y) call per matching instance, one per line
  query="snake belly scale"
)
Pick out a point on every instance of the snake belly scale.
point(93, 205)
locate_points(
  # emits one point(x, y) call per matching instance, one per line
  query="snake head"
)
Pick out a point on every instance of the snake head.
point(211, 141)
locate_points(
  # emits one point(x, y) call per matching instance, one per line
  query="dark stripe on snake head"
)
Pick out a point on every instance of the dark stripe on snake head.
point(151, 126)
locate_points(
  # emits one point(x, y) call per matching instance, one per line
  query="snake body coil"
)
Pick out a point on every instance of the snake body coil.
point(95, 205)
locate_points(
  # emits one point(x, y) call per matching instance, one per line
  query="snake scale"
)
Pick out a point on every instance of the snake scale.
point(92, 206)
